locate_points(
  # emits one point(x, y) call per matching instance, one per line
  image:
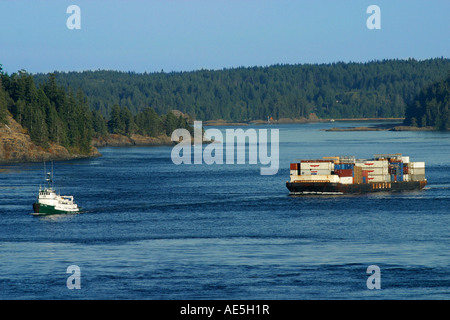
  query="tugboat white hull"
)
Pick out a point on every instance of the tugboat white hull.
point(41, 209)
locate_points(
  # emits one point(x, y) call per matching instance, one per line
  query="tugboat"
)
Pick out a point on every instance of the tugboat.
point(49, 202)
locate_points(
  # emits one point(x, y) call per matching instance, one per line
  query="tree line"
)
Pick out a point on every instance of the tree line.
point(431, 106)
point(49, 112)
point(147, 122)
point(334, 90)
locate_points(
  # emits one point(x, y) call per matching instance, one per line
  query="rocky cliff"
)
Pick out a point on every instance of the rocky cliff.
point(16, 146)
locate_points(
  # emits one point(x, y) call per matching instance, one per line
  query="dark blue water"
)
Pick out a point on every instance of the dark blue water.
point(154, 230)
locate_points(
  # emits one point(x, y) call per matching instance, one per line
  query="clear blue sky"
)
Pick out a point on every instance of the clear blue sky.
point(185, 35)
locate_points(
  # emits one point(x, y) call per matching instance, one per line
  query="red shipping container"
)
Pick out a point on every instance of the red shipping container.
point(344, 172)
point(294, 166)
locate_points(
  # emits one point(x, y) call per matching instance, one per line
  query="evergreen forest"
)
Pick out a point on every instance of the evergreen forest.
point(430, 108)
point(376, 89)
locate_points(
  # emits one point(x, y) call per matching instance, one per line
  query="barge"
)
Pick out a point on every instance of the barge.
point(348, 175)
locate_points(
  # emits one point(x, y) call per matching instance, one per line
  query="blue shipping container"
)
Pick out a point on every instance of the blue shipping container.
point(343, 166)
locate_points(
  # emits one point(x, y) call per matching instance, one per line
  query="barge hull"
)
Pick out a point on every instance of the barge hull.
point(339, 188)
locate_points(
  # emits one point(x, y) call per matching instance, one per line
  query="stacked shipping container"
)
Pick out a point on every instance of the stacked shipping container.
point(322, 167)
point(374, 170)
point(416, 171)
point(348, 170)
point(344, 172)
point(313, 170)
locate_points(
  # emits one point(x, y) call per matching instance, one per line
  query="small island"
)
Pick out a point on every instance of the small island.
point(382, 127)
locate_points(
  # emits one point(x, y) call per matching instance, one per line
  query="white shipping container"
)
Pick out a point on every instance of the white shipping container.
point(406, 177)
point(294, 172)
point(405, 159)
point(317, 166)
point(373, 164)
point(329, 178)
point(315, 172)
point(346, 180)
point(417, 171)
point(380, 178)
point(377, 171)
point(417, 165)
point(417, 177)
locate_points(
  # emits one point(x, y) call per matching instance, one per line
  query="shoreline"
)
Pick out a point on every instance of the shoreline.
point(313, 119)
point(17, 147)
point(382, 127)
point(117, 140)
point(44, 155)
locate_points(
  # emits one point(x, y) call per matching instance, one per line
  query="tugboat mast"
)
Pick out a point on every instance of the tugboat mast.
point(48, 177)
